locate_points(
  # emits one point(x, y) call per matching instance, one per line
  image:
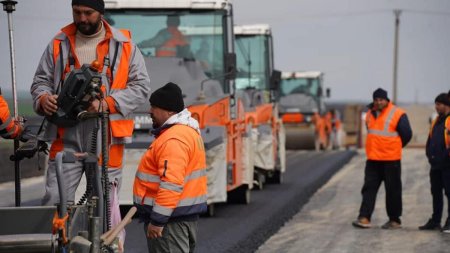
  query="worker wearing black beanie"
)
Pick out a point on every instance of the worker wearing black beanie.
point(97, 5)
point(88, 38)
point(380, 93)
point(437, 150)
point(443, 99)
point(168, 97)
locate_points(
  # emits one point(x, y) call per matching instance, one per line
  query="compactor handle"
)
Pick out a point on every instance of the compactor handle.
point(109, 236)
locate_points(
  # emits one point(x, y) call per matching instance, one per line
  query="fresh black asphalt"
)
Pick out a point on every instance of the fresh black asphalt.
point(243, 228)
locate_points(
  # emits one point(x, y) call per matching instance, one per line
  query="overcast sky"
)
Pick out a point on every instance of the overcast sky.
point(351, 41)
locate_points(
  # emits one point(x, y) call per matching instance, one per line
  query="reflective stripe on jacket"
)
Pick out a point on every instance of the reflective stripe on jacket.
point(8, 129)
point(171, 177)
point(129, 89)
point(169, 48)
point(383, 142)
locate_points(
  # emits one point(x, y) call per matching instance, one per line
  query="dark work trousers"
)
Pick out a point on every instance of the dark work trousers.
point(440, 181)
point(177, 237)
point(377, 172)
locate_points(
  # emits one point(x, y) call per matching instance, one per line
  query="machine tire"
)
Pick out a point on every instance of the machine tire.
point(240, 195)
point(261, 179)
point(276, 177)
point(210, 212)
point(246, 196)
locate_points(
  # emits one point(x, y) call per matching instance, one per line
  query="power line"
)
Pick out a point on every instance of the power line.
point(364, 13)
point(341, 14)
point(438, 13)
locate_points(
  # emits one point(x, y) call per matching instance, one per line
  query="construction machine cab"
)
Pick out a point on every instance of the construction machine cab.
point(197, 53)
point(254, 53)
point(302, 109)
point(302, 92)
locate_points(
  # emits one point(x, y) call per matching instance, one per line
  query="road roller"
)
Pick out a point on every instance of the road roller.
point(303, 111)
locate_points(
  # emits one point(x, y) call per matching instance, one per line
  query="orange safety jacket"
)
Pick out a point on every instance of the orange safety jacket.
point(171, 177)
point(119, 126)
point(8, 128)
point(169, 48)
point(446, 131)
point(383, 142)
point(447, 136)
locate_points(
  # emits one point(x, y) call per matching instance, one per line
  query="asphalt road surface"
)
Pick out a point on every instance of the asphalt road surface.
point(243, 228)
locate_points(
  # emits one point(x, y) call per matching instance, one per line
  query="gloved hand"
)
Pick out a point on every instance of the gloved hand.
point(19, 122)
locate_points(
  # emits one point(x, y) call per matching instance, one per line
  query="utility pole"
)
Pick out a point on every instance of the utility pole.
point(397, 27)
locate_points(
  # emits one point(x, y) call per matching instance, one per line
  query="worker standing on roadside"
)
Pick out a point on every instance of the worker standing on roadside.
point(126, 86)
point(437, 150)
point(388, 131)
point(334, 128)
point(170, 185)
point(9, 127)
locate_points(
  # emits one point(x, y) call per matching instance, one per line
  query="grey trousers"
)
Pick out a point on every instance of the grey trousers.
point(178, 237)
point(72, 175)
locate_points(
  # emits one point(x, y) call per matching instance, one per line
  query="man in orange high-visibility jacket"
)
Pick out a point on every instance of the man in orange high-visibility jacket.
point(9, 128)
point(438, 144)
point(125, 85)
point(388, 131)
point(167, 40)
point(170, 185)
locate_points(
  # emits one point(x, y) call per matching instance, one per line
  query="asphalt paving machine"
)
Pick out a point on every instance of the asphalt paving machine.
point(257, 83)
point(204, 67)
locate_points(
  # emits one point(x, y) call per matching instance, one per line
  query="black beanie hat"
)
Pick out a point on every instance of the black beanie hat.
point(168, 97)
point(97, 5)
point(380, 93)
point(443, 99)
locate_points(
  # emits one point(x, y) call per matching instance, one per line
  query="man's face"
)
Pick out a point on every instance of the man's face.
point(440, 108)
point(86, 19)
point(159, 116)
point(380, 103)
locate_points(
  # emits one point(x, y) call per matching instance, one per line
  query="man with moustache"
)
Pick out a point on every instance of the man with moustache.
point(126, 86)
point(170, 185)
point(388, 131)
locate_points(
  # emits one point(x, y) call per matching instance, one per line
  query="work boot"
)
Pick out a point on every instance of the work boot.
point(362, 222)
point(446, 227)
point(430, 225)
point(392, 225)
